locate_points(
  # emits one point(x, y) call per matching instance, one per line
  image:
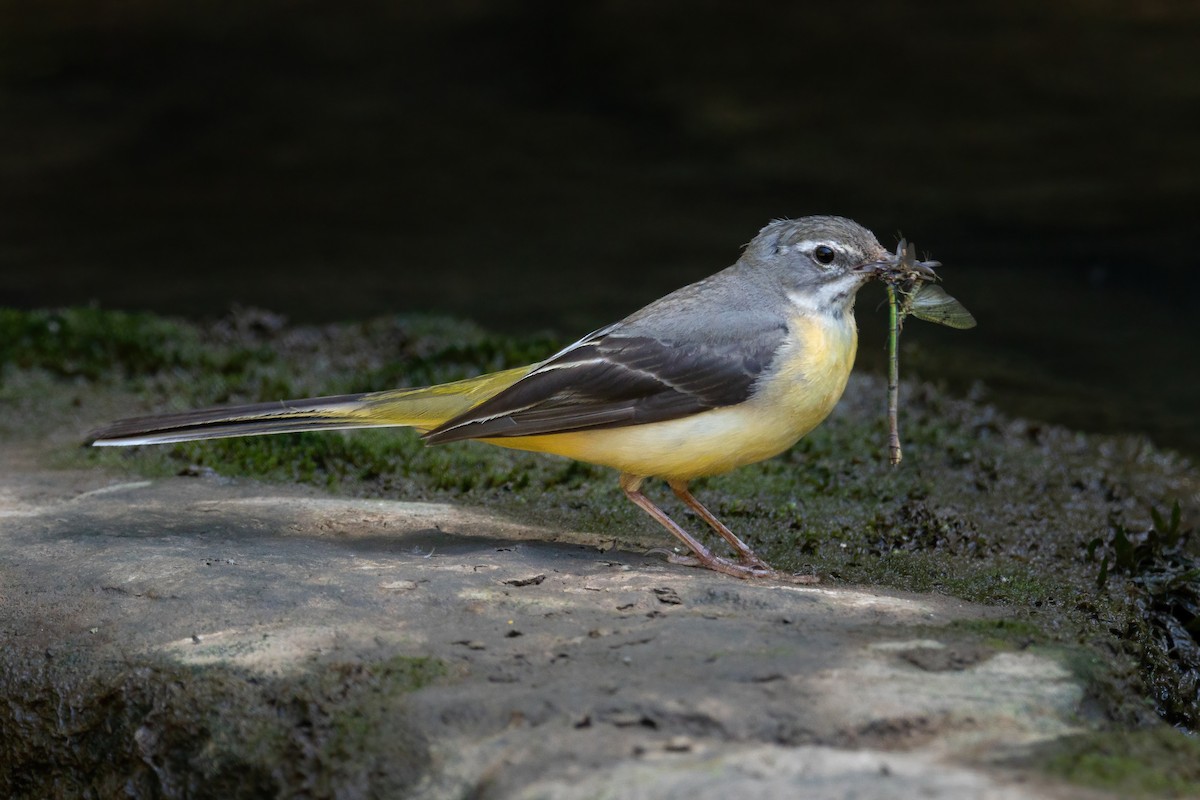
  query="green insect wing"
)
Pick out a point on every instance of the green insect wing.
point(931, 303)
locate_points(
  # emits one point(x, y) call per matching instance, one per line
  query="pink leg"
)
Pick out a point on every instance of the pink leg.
point(745, 554)
point(756, 568)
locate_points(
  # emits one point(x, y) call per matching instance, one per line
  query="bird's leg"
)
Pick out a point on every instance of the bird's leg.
point(745, 554)
point(632, 484)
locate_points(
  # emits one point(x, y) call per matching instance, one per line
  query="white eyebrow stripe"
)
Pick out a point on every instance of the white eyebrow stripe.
point(809, 245)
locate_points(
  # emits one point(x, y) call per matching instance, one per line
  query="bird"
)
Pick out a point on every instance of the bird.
point(728, 371)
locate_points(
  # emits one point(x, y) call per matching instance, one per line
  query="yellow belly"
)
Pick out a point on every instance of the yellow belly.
point(802, 387)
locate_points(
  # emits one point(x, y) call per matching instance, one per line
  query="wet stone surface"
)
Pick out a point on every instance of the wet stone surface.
point(194, 635)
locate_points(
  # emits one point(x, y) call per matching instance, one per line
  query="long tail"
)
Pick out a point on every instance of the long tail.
point(423, 409)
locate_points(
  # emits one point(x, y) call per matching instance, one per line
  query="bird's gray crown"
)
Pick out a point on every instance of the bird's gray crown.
point(854, 243)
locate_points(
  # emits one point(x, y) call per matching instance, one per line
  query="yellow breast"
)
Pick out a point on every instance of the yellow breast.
point(803, 384)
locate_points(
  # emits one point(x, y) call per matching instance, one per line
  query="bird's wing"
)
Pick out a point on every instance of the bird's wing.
point(617, 377)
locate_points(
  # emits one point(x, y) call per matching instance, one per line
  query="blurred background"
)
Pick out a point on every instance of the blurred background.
point(554, 165)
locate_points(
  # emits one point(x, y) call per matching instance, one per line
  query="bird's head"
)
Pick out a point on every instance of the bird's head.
point(821, 262)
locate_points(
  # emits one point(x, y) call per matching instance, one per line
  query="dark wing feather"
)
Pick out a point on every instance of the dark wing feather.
point(615, 379)
point(319, 413)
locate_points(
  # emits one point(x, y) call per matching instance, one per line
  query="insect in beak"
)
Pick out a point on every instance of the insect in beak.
point(902, 265)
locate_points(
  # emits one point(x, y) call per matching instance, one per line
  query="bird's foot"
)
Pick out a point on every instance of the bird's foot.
point(758, 569)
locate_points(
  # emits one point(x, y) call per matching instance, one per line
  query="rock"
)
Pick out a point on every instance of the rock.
point(184, 636)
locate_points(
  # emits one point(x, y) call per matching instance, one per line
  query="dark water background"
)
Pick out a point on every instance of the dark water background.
point(556, 165)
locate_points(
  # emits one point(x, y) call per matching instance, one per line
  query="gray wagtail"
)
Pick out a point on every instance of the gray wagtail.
point(728, 371)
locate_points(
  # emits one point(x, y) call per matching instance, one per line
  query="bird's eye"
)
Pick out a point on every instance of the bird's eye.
point(824, 254)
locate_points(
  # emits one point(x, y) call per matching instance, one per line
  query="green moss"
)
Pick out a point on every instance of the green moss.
point(90, 342)
point(1161, 762)
point(157, 728)
point(1000, 634)
point(93, 344)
